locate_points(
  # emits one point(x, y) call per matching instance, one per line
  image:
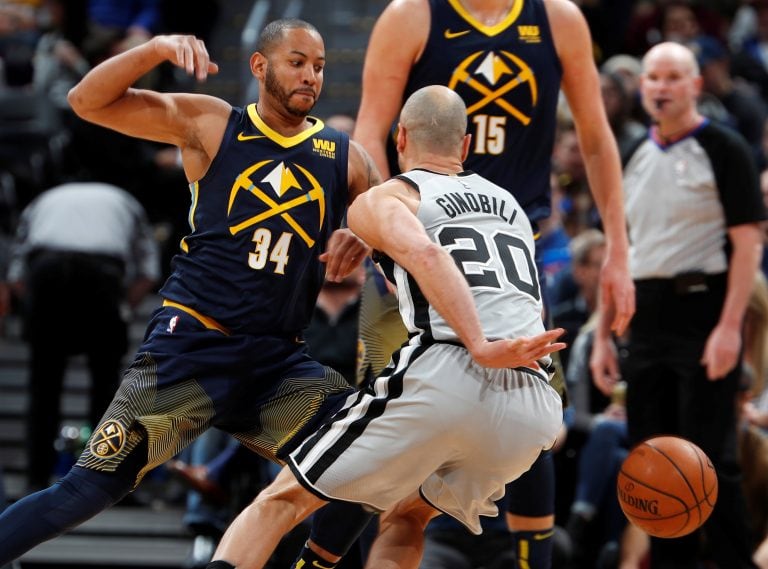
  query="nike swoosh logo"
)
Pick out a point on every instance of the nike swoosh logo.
point(449, 35)
point(316, 564)
point(243, 137)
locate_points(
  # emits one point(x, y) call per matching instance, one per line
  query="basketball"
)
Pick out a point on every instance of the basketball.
point(667, 486)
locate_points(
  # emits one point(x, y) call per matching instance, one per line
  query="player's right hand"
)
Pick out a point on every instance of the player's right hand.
point(520, 352)
point(187, 52)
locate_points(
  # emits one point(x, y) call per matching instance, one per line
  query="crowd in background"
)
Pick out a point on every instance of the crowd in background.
point(46, 46)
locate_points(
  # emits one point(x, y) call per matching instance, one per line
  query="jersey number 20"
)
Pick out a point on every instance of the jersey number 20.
point(477, 257)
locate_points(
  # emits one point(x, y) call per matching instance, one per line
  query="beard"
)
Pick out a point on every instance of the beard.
point(282, 96)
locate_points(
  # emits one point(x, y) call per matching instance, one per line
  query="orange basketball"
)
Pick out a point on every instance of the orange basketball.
point(667, 486)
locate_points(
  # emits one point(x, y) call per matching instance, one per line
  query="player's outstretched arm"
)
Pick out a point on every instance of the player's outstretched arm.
point(384, 218)
point(105, 96)
point(581, 85)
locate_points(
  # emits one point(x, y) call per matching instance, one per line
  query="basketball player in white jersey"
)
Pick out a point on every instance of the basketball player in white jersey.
point(465, 406)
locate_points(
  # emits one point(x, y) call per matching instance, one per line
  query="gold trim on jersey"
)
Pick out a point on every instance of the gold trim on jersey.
point(206, 321)
point(194, 189)
point(274, 136)
point(514, 12)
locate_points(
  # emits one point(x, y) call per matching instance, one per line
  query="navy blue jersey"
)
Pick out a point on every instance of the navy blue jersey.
point(260, 217)
point(509, 77)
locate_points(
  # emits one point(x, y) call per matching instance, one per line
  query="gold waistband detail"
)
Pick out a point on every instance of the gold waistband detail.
point(206, 321)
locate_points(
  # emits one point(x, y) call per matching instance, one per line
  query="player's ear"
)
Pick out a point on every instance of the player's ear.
point(466, 141)
point(400, 138)
point(258, 65)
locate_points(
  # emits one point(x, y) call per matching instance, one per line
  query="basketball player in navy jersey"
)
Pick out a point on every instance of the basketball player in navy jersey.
point(269, 187)
point(424, 439)
point(508, 60)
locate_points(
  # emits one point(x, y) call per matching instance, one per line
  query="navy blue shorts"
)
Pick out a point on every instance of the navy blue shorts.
point(188, 376)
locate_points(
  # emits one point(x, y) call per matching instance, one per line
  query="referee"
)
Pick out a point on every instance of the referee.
point(694, 211)
point(81, 253)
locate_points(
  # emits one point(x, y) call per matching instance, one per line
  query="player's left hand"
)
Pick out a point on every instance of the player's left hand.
point(345, 252)
point(721, 352)
point(617, 288)
point(520, 352)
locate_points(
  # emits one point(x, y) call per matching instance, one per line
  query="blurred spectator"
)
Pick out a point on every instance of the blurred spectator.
point(578, 207)
point(654, 21)
point(751, 59)
point(82, 251)
point(753, 435)
point(18, 36)
point(628, 68)
point(595, 521)
point(120, 24)
point(115, 26)
point(58, 62)
point(746, 111)
point(618, 106)
point(332, 334)
point(574, 293)
point(552, 254)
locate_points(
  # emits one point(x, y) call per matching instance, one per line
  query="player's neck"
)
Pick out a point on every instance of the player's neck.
point(438, 165)
point(488, 12)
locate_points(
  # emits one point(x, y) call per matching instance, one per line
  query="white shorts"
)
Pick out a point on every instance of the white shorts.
point(439, 423)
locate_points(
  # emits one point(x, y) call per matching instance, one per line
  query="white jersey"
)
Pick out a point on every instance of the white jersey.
point(489, 236)
point(435, 419)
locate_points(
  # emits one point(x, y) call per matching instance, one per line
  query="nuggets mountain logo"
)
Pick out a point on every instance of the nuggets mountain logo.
point(282, 189)
point(491, 80)
point(108, 440)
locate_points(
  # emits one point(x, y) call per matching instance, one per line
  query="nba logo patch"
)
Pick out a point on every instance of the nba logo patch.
point(108, 440)
point(172, 324)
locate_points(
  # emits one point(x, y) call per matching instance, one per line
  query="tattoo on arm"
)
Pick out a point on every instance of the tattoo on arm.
point(374, 177)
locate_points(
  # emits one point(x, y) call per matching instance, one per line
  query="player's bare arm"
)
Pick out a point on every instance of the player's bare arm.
point(362, 173)
point(194, 123)
point(345, 250)
point(581, 86)
point(388, 211)
point(396, 43)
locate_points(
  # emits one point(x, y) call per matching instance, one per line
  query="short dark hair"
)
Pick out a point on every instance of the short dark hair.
point(274, 31)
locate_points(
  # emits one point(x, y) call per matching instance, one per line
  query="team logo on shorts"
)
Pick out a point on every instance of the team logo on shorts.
point(108, 440)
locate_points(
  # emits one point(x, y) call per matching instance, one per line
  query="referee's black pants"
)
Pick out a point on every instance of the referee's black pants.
point(668, 393)
point(72, 306)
